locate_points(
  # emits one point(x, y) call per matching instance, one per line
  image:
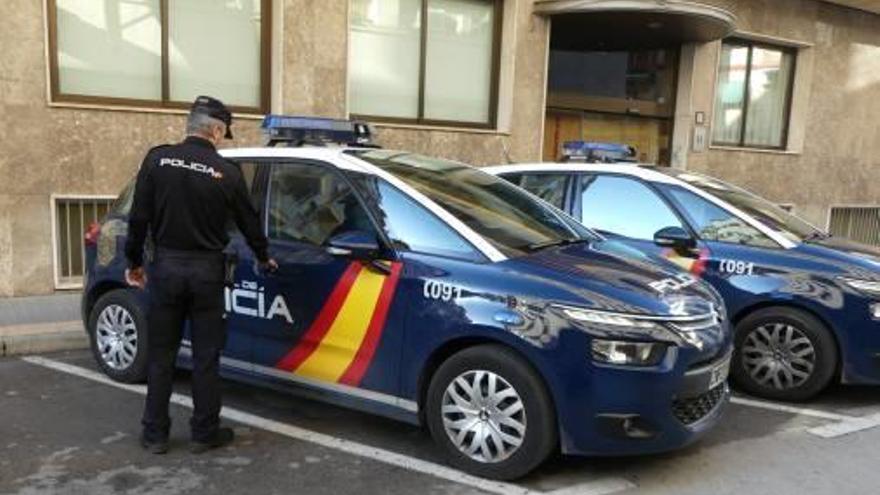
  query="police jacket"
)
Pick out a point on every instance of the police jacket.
point(185, 195)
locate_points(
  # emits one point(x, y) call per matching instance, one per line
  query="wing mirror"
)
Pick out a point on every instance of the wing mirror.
point(676, 238)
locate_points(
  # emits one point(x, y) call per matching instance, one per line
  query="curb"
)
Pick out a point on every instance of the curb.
point(42, 337)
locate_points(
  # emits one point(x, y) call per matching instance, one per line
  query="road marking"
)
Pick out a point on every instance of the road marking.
point(599, 486)
point(801, 411)
point(846, 427)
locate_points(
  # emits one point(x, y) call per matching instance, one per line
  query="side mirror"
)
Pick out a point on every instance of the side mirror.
point(355, 244)
point(676, 238)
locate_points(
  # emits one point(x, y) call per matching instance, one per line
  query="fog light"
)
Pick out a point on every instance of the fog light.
point(875, 311)
point(628, 353)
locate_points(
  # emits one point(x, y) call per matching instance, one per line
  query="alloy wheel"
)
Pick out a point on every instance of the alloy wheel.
point(778, 355)
point(484, 416)
point(116, 337)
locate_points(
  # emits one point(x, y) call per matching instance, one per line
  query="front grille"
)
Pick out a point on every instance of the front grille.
point(693, 409)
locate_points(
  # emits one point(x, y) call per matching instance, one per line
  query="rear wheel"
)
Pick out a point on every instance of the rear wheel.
point(118, 335)
point(783, 354)
point(491, 413)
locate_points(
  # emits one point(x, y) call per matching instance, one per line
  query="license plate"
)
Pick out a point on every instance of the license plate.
point(719, 373)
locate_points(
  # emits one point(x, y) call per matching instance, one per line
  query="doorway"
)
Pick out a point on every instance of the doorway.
point(624, 96)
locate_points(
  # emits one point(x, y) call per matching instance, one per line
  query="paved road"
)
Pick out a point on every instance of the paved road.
point(67, 433)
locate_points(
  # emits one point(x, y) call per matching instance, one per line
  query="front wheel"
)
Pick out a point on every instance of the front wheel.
point(118, 335)
point(491, 413)
point(783, 354)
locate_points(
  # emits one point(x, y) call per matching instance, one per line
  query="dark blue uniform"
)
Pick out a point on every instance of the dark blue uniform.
point(186, 194)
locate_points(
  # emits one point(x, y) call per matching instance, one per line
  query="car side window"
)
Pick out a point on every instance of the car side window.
point(409, 225)
point(310, 204)
point(713, 223)
point(623, 206)
point(547, 186)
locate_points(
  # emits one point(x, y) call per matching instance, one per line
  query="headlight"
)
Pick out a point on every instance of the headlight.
point(628, 353)
point(875, 311)
point(871, 287)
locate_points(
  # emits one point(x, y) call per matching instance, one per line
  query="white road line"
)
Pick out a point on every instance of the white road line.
point(846, 427)
point(802, 411)
point(600, 486)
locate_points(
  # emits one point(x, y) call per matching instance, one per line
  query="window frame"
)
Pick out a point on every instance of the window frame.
point(56, 96)
point(492, 122)
point(789, 97)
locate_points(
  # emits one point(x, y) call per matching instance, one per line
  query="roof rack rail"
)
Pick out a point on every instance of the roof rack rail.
point(295, 131)
point(595, 152)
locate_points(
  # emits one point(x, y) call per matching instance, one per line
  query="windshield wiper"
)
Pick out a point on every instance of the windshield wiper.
point(817, 236)
point(554, 243)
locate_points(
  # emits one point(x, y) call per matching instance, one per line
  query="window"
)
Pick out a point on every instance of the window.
point(713, 223)
point(160, 52)
point(859, 223)
point(753, 98)
point(407, 58)
point(549, 187)
point(310, 204)
point(626, 207)
point(410, 226)
point(71, 218)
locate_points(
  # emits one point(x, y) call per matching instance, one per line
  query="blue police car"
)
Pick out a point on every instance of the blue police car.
point(805, 306)
point(434, 293)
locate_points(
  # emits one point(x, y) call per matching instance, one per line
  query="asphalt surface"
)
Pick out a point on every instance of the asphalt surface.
point(62, 433)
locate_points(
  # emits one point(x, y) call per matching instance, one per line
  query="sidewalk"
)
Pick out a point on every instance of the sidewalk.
point(41, 324)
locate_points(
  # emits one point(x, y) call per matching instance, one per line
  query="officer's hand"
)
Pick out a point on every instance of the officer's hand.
point(270, 266)
point(136, 277)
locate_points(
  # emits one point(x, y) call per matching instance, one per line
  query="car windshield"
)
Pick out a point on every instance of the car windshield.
point(769, 214)
point(512, 220)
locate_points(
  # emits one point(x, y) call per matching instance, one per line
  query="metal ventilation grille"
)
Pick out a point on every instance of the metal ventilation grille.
point(72, 216)
point(859, 223)
point(692, 410)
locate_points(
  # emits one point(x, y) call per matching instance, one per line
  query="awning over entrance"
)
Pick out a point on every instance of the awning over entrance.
point(632, 24)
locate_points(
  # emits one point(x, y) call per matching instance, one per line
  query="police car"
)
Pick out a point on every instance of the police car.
point(805, 305)
point(431, 292)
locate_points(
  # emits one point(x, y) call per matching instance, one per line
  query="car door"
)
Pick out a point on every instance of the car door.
point(320, 317)
point(738, 256)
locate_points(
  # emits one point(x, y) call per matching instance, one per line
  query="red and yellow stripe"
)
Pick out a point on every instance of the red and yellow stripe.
point(341, 342)
point(696, 266)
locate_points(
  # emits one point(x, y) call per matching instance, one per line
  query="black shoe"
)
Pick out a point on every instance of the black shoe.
point(157, 448)
point(221, 438)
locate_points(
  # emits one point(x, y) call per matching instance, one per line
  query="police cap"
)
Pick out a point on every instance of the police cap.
point(215, 108)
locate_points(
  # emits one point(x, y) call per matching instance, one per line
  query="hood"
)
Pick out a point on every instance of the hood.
point(846, 256)
point(606, 275)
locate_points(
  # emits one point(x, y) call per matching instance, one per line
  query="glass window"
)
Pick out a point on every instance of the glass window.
point(113, 52)
point(393, 74)
point(109, 48)
point(768, 214)
point(626, 207)
point(311, 204)
point(410, 226)
point(752, 102)
point(503, 214)
point(201, 62)
point(549, 187)
point(713, 223)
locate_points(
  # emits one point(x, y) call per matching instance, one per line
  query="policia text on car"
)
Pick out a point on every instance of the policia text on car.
point(184, 196)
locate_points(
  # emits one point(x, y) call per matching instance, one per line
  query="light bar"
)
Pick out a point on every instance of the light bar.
point(597, 152)
point(297, 131)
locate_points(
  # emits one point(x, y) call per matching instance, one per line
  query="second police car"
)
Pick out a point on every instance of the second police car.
point(805, 306)
point(434, 293)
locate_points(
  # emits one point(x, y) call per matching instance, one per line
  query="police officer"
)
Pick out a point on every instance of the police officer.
point(185, 195)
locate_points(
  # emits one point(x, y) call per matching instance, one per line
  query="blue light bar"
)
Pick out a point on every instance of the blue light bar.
point(297, 131)
point(597, 152)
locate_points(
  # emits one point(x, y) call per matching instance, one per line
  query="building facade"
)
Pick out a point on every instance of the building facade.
point(779, 96)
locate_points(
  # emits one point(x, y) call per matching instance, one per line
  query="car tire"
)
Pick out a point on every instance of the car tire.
point(775, 347)
point(517, 385)
point(118, 336)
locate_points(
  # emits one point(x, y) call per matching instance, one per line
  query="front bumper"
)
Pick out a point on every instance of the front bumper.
point(641, 411)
